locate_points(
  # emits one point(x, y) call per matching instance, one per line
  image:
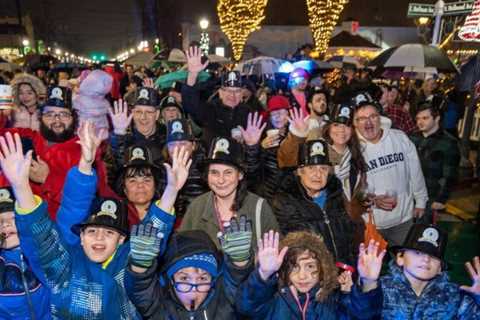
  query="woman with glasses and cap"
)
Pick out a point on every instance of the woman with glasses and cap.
point(313, 201)
point(228, 198)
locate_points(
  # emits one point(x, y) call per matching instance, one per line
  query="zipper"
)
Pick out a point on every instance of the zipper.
point(327, 222)
point(25, 286)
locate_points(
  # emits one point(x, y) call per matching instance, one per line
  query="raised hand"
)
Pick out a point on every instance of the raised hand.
point(345, 281)
point(298, 121)
point(251, 135)
point(370, 261)
point(39, 171)
point(145, 241)
point(236, 240)
point(89, 140)
point(177, 173)
point(15, 165)
point(194, 60)
point(473, 269)
point(269, 258)
point(148, 83)
point(120, 118)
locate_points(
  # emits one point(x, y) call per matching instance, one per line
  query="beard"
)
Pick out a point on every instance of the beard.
point(51, 136)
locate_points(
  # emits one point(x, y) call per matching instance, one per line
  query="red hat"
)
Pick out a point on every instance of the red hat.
point(278, 103)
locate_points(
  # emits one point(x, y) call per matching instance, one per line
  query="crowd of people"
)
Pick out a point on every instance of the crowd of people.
point(230, 198)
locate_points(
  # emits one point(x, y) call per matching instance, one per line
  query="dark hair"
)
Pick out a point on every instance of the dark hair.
point(357, 161)
point(314, 92)
point(428, 106)
point(138, 171)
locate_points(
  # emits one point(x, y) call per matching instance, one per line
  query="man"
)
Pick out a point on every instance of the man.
point(401, 119)
point(439, 155)
point(219, 116)
point(55, 149)
point(313, 201)
point(394, 174)
point(145, 129)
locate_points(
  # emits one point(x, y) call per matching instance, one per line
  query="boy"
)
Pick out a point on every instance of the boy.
point(417, 286)
point(195, 281)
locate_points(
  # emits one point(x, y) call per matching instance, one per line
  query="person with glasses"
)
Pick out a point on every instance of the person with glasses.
point(219, 116)
point(394, 173)
point(138, 127)
point(195, 280)
point(55, 149)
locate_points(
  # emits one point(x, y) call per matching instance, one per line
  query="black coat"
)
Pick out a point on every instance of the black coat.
point(215, 118)
point(296, 211)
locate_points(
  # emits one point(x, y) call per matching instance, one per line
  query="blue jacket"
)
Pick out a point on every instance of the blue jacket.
point(260, 299)
point(14, 302)
point(80, 288)
point(441, 299)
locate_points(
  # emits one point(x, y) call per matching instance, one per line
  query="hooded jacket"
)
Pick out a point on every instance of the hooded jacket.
point(296, 211)
point(393, 164)
point(154, 295)
point(440, 299)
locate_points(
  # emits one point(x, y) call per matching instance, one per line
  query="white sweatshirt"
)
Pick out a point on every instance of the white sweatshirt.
point(393, 164)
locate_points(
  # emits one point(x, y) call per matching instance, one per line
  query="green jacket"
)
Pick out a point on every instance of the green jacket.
point(201, 216)
point(440, 156)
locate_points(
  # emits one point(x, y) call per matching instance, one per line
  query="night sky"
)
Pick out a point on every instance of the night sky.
point(107, 26)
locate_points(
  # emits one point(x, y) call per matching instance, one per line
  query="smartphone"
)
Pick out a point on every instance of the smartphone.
point(27, 145)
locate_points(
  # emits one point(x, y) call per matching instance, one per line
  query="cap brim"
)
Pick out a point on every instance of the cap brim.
point(207, 162)
point(396, 249)
point(140, 163)
point(78, 227)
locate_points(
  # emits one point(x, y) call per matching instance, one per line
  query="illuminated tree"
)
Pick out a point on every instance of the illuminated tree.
point(323, 16)
point(238, 19)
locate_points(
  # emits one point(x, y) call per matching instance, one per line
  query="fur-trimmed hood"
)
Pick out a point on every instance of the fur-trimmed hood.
point(37, 85)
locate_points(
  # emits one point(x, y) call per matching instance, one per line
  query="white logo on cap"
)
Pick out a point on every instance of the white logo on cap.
point(177, 127)
point(138, 153)
point(222, 145)
point(361, 98)
point(232, 77)
point(143, 94)
point(108, 208)
point(56, 94)
point(5, 196)
point(317, 149)
point(171, 100)
point(345, 112)
point(430, 235)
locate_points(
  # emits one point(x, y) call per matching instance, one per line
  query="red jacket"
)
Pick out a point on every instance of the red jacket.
point(60, 157)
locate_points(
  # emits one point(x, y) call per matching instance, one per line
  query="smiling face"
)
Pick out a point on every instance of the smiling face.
point(196, 276)
point(340, 133)
point(231, 96)
point(419, 266)
point(367, 122)
point(223, 179)
point(26, 95)
point(56, 119)
point(8, 230)
point(99, 243)
point(305, 274)
point(145, 119)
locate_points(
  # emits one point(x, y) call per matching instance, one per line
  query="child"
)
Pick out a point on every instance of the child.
point(22, 295)
point(196, 282)
point(299, 282)
point(417, 286)
point(85, 277)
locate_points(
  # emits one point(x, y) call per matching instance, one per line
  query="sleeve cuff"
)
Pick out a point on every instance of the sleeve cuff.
point(38, 202)
point(158, 203)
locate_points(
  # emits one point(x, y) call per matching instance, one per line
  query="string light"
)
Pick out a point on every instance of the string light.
point(238, 19)
point(323, 16)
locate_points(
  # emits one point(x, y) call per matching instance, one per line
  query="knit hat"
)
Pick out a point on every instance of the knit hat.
point(313, 152)
point(278, 103)
point(7, 200)
point(6, 97)
point(59, 97)
point(193, 248)
point(204, 261)
point(37, 85)
point(90, 100)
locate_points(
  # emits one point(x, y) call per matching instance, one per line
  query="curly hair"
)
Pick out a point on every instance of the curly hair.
point(300, 242)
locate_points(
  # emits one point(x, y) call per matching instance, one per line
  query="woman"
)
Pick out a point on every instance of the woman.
point(28, 91)
point(228, 197)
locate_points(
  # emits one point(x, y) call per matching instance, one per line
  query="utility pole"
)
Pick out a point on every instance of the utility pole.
point(438, 13)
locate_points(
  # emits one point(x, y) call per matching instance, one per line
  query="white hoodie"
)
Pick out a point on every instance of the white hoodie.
point(393, 164)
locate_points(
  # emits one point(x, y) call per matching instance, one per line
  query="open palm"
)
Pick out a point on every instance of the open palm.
point(120, 118)
point(369, 261)
point(251, 135)
point(15, 165)
point(194, 60)
point(473, 269)
point(177, 173)
point(269, 257)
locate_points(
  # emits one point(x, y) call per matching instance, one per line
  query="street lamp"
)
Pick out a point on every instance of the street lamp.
point(204, 39)
point(25, 42)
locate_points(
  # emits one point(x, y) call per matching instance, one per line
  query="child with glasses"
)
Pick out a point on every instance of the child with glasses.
point(196, 281)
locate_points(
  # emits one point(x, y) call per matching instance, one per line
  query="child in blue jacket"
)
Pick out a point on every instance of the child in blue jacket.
point(85, 278)
point(298, 282)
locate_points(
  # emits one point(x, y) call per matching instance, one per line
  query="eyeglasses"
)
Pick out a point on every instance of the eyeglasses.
point(363, 120)
point(53, 115)
point(185, 287)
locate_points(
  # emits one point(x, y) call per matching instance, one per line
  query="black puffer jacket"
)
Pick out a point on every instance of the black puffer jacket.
point(296, 211)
